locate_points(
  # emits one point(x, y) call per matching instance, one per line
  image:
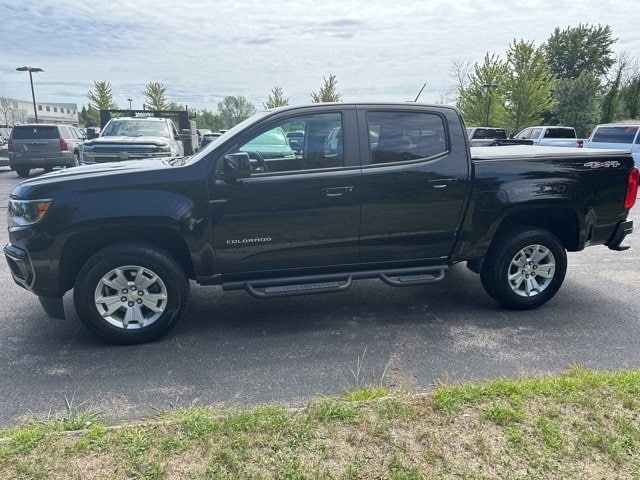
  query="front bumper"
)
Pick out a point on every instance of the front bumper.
point(20, 266)
point(622, 230)
point(24, 275)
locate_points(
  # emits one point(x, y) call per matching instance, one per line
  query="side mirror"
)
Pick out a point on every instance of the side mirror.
point(91, 133)
point(236, 165)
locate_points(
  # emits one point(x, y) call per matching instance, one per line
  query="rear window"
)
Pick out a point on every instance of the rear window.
point(618, 134)
point(560, 133)
point(489, 133)
point(35, 133)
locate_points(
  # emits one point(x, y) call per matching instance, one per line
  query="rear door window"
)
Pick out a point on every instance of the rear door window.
point(402, 136)
point(39, 132)
point(615, 134)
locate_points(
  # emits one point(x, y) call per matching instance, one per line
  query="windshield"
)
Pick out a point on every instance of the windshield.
point(135, 128)
point(229, 133)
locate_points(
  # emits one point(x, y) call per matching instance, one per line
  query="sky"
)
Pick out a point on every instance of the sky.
point(203, 51)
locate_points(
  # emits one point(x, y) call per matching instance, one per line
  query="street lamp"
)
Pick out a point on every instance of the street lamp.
point(33, 95)
point(129, 100)
point(488, 87)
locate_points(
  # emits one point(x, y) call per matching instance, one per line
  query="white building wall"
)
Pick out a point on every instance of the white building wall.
point(64, 113)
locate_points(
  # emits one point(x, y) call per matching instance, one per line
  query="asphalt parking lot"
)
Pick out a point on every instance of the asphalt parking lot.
point(236, 350)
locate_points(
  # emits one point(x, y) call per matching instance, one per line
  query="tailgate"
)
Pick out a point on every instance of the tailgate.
point(42, 141)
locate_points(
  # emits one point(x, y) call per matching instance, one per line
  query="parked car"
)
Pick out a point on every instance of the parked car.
point(271, 145)
point(128, 138)
point(492, 137)
point(4, 153)
point(207, 138)
point(619, 136)
point(5, 133)
point(296, 140)
point(551, 136)
point(42, 145)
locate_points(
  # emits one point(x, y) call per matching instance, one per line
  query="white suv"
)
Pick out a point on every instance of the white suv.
point(618, 136)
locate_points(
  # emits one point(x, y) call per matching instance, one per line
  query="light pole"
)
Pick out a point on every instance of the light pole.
point(33, 95)
point(488, 87)
point(129, 100)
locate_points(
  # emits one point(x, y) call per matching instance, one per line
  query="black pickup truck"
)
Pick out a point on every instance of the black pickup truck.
point(388, 191)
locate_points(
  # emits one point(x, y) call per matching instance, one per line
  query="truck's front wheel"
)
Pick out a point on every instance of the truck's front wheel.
point(524, 268)
point(130, 293)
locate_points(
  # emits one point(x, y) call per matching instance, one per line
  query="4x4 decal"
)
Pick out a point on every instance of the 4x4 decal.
point(602, 164)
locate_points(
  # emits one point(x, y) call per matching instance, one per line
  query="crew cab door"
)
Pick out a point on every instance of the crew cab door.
point(297, 209)
point(415, 182)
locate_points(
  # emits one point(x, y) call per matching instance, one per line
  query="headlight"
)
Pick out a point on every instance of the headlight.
point(87, 148)
point(164, 149)
point(27, 212)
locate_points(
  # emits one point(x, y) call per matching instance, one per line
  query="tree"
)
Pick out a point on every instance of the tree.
point(155, 93)
point(630, 98)
point(580, 49)
point(630, 90)
point(480, 95)
point(233, 110)
point(84, 119)
point(327, 92)
point(207, 119)
point(527, 86)
point(276, 99)
point(611, 100)
point(577, 102)
point(6, 109)
point(100, 98)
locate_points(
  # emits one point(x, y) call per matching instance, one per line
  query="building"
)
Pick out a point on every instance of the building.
point(21, 111)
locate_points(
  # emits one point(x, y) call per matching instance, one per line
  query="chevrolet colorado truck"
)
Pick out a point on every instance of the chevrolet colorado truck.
point(128, 138)
point(398, 196)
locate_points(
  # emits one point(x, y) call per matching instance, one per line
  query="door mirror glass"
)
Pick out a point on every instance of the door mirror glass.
point(236, 165)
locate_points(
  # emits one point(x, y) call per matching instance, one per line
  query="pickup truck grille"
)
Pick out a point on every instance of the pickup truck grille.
point(116, 149)
point(116, 153)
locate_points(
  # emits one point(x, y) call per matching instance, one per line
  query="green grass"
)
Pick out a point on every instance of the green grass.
point(581, 424)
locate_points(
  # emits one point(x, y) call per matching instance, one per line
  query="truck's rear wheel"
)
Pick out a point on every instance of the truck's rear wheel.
point(524, 268)
point(131, 293)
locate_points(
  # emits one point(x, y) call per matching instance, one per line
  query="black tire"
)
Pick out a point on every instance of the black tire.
point(535, 250)
point(22, 171)
point(120, 266)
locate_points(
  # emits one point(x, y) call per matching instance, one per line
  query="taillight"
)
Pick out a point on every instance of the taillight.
point(63, 145)
point(10, 145)
point(632, 188)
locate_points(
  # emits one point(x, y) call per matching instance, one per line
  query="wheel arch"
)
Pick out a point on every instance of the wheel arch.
point(561, 221)
point(83, 246)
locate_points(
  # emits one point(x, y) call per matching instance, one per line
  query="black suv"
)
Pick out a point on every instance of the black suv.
point(44, 146)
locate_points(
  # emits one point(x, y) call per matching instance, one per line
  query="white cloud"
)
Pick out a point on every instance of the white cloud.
point(204, 51)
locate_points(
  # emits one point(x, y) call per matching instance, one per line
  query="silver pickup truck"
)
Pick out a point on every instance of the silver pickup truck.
point(129, 138)
point(551, 136)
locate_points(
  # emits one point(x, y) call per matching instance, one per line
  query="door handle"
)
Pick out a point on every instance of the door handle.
point(442, 182)
point(336, 191)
